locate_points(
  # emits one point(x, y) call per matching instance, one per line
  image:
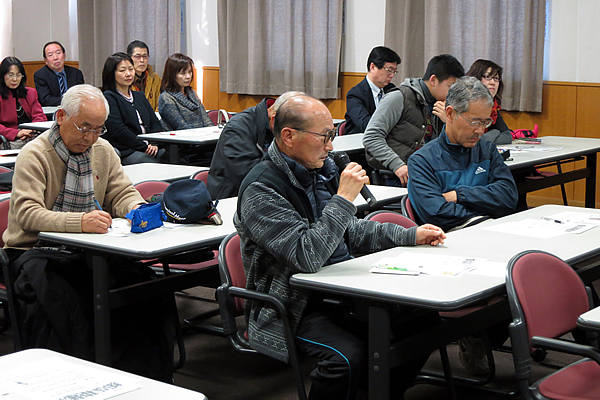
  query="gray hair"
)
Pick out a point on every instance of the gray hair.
point(466, 90)
point(77, 94)
point(290, 112)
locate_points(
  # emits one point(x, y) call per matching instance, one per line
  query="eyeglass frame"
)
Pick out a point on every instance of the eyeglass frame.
point(329, 136)
point(390, 71)
point(489, 77)
point(85, 132)
point(140, 56)
point(478, 123)
point(15, 76)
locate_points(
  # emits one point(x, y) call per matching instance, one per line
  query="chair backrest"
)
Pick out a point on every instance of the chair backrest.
point(407, 209)
point(201, 176)
point(546, 295)
point(149, 188)
point(391, 216)
point(342, 129)
point(231, 266)
point(4, 169)
point(4, 204)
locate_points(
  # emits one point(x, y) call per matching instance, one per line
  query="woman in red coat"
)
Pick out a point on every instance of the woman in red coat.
point(18, 104)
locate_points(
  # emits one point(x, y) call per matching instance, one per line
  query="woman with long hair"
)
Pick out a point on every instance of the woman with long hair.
point(178, 104)
point(18, 103)
point(130, 113)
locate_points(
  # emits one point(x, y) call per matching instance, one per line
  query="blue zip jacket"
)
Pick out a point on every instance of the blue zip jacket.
point(483, 183)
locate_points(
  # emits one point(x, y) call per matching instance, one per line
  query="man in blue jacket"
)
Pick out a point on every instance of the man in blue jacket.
point(457, 179)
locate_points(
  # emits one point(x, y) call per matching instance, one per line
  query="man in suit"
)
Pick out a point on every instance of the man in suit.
point(55, 78)
point(363, 98)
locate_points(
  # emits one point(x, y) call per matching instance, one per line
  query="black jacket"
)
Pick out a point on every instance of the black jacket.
point(122, 126)
point(241, 146)
point(46, 84)
point(360, 105)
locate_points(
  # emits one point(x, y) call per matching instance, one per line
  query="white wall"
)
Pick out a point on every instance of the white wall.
point(364, 29)
point(572, 51)
point(36, 22)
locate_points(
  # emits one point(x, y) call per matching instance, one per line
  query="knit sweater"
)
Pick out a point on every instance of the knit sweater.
point(39, 175)
point(179, 111)
point(278, 242)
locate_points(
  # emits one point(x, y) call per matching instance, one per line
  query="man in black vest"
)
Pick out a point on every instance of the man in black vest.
point(55, 78)
point(363, 98)
point(295, 214)
point(409, 117)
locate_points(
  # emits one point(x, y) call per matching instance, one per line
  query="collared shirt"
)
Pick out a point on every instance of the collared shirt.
point(375, 91)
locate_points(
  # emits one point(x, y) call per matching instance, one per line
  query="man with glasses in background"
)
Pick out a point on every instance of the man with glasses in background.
point(295, 214)
point(71, 180)
point(459, 179)
point(146, 80)
point(55, 78)
point(408, 117)
point(363, 99)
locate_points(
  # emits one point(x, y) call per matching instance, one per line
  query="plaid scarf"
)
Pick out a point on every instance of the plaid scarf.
point(77, 191)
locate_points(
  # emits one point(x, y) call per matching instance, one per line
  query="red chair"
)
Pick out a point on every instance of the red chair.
point(219, 117)
point(546, 297)
point(407, 209)
point(201, 176)
point(341, 129)
point(391, 216)
point(231, 295)
point(150, 188)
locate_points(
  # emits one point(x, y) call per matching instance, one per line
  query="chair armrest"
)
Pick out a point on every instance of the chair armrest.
point(4, 143)
point(566, 347)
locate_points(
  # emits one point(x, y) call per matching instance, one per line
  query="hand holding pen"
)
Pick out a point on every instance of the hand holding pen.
point(96, 221)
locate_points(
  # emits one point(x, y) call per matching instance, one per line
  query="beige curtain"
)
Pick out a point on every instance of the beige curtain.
point(510, 33)
point(268, 47)
point(107, 26)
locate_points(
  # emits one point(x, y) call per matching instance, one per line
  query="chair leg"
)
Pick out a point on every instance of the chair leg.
point(448, 371)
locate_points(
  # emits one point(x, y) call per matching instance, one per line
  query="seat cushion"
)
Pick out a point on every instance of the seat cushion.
point(578, 381)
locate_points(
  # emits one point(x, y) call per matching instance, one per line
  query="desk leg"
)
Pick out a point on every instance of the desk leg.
point(379, 353)
point(590, 181)
point(101, 308)
point(174, 153)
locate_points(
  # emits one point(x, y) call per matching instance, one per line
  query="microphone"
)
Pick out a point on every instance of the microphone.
point(341, 159)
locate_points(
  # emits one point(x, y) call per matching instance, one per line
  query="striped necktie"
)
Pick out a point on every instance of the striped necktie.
point(379, 95)
point(62, 83)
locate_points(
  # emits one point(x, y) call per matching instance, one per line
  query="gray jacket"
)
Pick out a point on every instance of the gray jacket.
point(398, 126)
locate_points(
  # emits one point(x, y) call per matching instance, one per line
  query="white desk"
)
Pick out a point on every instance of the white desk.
point(160, 172)
point(198, 136)
point(149, 390)
point(8, 157)
point(349, 143)
point(352, 278)
point(49, 111)
point(590, 320)
point(37, 126)
point(573, 148)
point(156, 243)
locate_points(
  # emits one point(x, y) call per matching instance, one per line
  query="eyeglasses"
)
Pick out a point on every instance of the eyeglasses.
point(390, 71)
point(489, 77)
point(14, 76)
point(85, 130)
point(329, 136)
point(484, 123)
point(140, 56)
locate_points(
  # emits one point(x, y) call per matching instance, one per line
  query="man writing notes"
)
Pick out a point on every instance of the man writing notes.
point(295, 214)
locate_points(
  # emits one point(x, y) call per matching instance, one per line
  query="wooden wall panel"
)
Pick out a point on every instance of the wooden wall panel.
point(588, 125)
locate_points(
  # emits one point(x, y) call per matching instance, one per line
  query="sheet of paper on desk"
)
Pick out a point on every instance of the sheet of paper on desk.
point(524, 148)
point(120, 228)
point(430, 264)
point(577, 217)
point(55, 379)
point(540, 228)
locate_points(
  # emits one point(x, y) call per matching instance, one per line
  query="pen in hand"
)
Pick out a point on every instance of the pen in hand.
point(99, 207)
